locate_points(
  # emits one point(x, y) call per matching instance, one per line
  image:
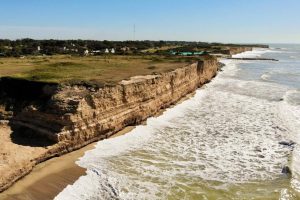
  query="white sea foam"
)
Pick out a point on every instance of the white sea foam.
point(290, 114)
point(266, 77)
point(292, 97)
point(257, 52)
point(214, 141)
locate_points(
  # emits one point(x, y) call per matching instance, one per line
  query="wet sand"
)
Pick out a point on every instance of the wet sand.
point(49, 178)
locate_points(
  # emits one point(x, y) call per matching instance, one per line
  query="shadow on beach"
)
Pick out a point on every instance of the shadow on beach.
point(26, 137)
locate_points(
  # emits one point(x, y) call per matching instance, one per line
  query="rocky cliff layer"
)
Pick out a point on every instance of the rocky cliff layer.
point(233, 50)
point(80, 114)
point(237, 50)
point(74, 116)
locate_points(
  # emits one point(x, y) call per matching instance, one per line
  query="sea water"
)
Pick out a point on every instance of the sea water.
point(223, 143)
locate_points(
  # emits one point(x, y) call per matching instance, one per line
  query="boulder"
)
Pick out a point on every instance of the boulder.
point(287, 143)
point(286, 170)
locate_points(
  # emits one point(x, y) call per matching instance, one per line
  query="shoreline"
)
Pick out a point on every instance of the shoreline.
point(47, 178)
point(50, 177)
point(39, 133)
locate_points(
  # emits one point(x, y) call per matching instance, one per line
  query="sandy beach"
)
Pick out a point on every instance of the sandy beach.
point(50, 177)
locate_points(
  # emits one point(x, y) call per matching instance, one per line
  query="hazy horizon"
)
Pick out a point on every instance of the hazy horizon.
point(246, 43)
point(264, 21)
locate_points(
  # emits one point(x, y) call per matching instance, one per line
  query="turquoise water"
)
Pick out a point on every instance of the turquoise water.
point(221, 144)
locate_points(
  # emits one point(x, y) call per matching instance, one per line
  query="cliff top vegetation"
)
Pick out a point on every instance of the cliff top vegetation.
point(92, 69)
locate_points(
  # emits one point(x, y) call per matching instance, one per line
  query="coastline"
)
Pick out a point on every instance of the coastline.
point(131, 159)
point(49, 178)
point(34, 170)
point(129, 103)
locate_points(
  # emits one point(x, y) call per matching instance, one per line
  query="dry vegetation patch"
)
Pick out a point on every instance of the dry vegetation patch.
point(99, 69)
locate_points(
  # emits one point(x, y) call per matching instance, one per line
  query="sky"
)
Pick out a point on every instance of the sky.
point(229, 21)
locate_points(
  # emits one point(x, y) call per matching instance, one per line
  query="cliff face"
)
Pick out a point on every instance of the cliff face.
point(74, 116)
point(78, 114)
point(234, 50)
point(237, 50)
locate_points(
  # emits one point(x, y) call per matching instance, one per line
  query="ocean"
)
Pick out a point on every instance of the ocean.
point(231, 140)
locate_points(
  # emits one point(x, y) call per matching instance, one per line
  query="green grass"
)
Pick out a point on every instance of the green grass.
point(97, 69)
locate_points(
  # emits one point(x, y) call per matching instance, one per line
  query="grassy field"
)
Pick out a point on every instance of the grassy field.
point(164, 48)
point(96, 69)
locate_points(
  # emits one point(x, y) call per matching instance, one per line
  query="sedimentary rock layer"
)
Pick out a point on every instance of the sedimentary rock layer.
point(80, 114)
point(74, 116)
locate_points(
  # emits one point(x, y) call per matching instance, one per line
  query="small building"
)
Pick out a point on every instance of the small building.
point(38, 48)
point(174, 53)
point(95, 52)
point(113, 50)
point(185, 53)
point(86, 52)
point(125, 49)
point(106, 51)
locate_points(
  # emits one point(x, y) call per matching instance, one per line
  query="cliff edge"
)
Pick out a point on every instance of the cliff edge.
point(56, 119)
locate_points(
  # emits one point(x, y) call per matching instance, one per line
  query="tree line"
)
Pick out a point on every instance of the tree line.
point(23, 47)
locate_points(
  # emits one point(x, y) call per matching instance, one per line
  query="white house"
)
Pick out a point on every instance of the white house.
point(106, 51)
point(125, 49)
point(113, 50)
point(86, 52)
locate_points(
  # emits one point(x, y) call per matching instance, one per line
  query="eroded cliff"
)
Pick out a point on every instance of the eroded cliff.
point(79, 113)
point(74, 116)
